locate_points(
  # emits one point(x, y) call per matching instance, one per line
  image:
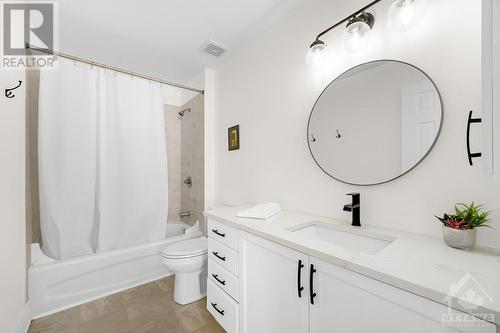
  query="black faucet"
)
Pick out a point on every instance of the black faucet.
point(354, 207)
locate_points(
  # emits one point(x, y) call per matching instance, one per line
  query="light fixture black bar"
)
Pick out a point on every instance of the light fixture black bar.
point(348, 18)
point(116, 69)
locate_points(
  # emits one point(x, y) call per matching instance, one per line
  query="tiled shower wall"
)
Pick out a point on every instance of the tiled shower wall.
point(173, 134)
point(192, 160)
point(33, 232)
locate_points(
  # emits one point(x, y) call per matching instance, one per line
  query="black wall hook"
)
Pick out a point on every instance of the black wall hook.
point(469, 154)
point(338, 136)
point(9, 92)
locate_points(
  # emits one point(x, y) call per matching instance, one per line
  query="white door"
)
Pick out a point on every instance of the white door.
point(269, 297)
point(349, 302)
point(420, 121)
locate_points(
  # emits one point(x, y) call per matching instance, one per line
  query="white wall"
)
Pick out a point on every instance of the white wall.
point(171, 95)
point(210, 134)
point(268, 90)
point(206, 80)
point(12, 213)
point(197, 82)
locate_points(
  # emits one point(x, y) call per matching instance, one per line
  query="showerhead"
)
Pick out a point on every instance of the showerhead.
point(181, 113)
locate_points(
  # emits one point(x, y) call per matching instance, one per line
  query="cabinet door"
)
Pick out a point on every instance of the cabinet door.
point(268, 287)
point(350, 302)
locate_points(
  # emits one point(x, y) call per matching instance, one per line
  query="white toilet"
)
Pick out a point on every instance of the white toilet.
point(188, 260)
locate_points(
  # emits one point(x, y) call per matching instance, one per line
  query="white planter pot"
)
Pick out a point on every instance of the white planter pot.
point(460, 239)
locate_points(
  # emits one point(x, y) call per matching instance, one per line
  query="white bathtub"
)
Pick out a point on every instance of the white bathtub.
point(55, 285)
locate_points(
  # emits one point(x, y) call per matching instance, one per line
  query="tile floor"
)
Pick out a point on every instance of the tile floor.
point(147, 308)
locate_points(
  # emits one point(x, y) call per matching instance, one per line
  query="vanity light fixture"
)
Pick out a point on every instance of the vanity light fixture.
point(357, 33)
point(403, 15)
point(316, 56)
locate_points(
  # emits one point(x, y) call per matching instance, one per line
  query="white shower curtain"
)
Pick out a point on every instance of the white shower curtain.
point(132, 160)
point(67, 159)
point(102, 161)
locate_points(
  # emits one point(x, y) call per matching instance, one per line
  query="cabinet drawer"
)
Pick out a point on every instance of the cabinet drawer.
point(223, 233)
point(222, 278)
point(222, 307)
point(223, 255)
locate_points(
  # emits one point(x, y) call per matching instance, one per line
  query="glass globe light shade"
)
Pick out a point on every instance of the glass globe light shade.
point(405, 14)
point(356, 36)
point(316, 56)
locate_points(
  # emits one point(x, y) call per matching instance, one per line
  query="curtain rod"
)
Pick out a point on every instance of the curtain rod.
point(116, 69)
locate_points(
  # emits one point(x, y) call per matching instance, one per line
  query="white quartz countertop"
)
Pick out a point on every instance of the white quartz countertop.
point(422, 265)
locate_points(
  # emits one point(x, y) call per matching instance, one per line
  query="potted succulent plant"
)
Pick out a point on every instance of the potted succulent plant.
point(459, 229)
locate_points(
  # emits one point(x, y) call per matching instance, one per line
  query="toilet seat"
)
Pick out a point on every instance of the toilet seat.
point(189, 248)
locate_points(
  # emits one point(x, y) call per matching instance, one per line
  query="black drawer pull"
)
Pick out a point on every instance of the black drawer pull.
point(214, 305)
point(218, 256)
point(215, 231)
point(299, 278)
point(216, 277)
point(312, 294)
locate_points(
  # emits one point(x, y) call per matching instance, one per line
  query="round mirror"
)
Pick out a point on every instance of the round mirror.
point(375, 122)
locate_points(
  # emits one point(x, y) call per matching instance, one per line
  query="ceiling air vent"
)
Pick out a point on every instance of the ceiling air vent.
point(214, 48)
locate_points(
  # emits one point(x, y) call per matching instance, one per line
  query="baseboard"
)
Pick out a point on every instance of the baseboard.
point(25, 320)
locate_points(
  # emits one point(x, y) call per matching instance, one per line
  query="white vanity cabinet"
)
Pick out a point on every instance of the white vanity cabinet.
point(350, 302)
point(331, 298)
point(270, 301)
point(222, 284)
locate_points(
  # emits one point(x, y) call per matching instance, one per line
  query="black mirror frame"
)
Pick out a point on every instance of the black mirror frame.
point(416, 164)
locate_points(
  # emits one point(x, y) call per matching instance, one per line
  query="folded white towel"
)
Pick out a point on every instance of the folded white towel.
point(260, 211)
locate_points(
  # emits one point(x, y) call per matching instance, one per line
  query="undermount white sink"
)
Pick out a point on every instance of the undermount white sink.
point(354, 241)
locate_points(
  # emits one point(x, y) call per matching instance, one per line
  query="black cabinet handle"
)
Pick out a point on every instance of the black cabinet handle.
point(218, 256)
point(216, 277)
point(215, 231)
point(469, 154)
point(214, 305)
point(312, 294)
point(299, 278)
